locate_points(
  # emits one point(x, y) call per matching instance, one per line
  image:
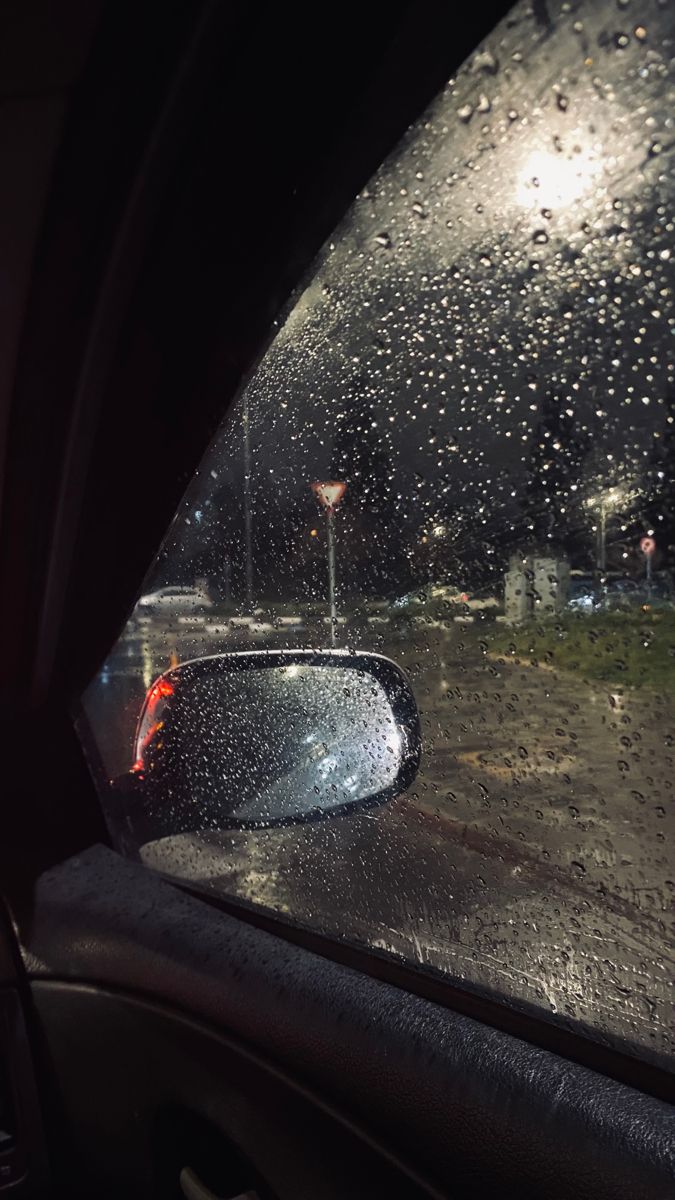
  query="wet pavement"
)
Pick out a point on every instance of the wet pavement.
point(531, 857)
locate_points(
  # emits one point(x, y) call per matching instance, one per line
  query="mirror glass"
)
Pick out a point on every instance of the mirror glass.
point(266, 745)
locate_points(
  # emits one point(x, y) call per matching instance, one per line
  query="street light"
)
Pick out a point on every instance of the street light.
point(248, 516)
point(605, 504)
point(551, 181)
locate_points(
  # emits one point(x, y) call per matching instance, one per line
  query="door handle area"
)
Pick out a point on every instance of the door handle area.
point(193, 1189)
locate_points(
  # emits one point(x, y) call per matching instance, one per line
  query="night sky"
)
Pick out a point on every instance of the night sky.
point(517, 246)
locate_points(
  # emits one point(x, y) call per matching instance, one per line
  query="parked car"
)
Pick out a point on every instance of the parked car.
point(414, 599)
point(584, 594)
point(175, 599)
point(588, 595)
point(638, 593)
point(483, 601)
point(441, 603)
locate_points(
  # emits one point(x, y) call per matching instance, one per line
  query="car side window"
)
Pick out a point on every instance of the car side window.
point(442, 507)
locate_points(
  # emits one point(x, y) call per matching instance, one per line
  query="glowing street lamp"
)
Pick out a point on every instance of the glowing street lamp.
point(553, 181)
point(606, 503)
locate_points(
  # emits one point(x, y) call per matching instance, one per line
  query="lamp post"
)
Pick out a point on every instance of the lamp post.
point(329, 495)
point(604, 504)
point(647, 547)
point(602, 538)
point(248, 516)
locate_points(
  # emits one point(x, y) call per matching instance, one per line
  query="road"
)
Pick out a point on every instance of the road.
point(531, 858)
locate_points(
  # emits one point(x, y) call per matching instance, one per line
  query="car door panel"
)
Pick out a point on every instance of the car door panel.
point(170, 1085)
point(463, 1106)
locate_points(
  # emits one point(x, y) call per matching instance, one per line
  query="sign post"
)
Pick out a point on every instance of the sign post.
point(248, 516)
point(602, 538)
point(648, 546)
point(329, 495)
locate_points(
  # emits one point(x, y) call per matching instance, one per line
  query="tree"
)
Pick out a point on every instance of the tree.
point(554, 488)
point(372, 543)
point(207, 542)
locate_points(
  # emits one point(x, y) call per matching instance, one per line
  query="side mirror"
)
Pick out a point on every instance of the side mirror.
point(258, 739)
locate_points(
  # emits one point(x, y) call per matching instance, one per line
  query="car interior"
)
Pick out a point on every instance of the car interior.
point(170, 173)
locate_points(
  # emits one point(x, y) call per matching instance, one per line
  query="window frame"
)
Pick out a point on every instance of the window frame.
point(614, 1057)
point(520, 1020)
point(61, 570)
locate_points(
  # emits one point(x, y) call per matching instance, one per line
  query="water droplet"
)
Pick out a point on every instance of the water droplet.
point(485, 61)
point(384, 240)
point(540, 237)
point(562, 102)
point(465, 113)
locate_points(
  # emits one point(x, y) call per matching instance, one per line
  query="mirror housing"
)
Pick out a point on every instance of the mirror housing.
point(258, 739)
